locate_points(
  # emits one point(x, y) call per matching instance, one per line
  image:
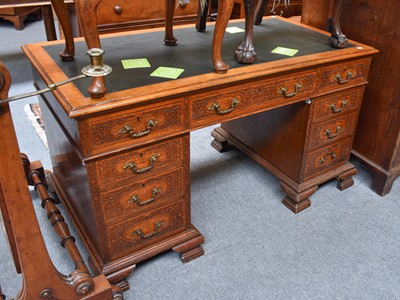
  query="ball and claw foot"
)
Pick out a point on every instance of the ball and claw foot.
point(245, 54)
point(339, 41)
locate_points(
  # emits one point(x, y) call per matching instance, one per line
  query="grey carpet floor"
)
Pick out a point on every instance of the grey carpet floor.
point(345, 246)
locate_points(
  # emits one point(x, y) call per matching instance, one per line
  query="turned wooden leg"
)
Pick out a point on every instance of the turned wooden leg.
point(296, 201)
point(62, 14)
point(169, 38)
point(338, 39)
point(220, 142)
point(260, 11)
point(345, 179)
point(245, 53)
point(223, 15)
point(202, 13)
point(191, 249)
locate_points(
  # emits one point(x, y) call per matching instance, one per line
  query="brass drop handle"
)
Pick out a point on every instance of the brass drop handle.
point(140, 232)
point(343, 81)
point(182, 4)
point(331, 154)
point(135, 198)
point(332, 135)
point(118, 9)
point(285, 93)
point(336, 110)
point(127, 129)
point(215, 106)
point(131, 165)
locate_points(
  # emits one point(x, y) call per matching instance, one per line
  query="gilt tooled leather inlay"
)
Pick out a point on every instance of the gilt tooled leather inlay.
point(111, 170)
point(121, 240)
point(107, 131)
point(359, 71)
point(115, 202)
point(313, 166)
point(255, 95)
point(352, 99)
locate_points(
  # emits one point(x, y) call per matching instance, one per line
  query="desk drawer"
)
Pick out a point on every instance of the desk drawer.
point(343, 75)
point(326, 159)
point(208, 108)
point(132, 127)
point(338, 104)
point(140, 163)
point(121, 203)
point(332, 130)
point(146, 229)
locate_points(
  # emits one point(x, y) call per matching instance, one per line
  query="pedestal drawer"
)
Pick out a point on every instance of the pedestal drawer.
point(208, 108)
point(121, 203)
point(131, 127)
point(146, 229)
point(139, 163)
point(327, 158)
point(343, 75)
point(333, 130)
point(337, 104)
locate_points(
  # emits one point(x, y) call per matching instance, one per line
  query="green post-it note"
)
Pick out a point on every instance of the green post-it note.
point(135, 63)
point(285, 51)
point(167, 72)
point(234, 29)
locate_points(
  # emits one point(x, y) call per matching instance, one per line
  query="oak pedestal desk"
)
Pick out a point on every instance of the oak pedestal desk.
point(121, 163)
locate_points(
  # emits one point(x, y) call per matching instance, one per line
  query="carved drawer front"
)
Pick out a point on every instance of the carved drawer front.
point(343, 75)
point(133, 127)
point(208, 108)
point(122, 203)
point(325, 159)
point(337, 104)
point(146, 229)
point(139, 163)
point(332, 130)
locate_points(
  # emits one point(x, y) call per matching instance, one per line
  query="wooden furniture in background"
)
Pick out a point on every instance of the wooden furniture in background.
point(122, 165)
point(46, 11)
point(294, 9)
point(41, 280)
point(17, 15)
point(377, 139)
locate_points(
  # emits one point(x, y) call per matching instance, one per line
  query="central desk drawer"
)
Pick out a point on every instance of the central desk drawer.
point(132, 127)
point(207, 108)
point(124, 202)
point(140, 163)
point(146, 229)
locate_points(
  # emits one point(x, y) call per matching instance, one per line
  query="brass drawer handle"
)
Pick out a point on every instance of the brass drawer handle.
point(140, 232)
point(336, 110)
point(131, 165)
point(118, 9)
point(343, 81)
point(285, 93)
point(215, 106)
point(331, 154)
point(135, 198)
point(332, 135)
point(182, 4)
point(127, 129)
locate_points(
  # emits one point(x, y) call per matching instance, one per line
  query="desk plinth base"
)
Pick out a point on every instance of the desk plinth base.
point(187, 243)
point(297, 192)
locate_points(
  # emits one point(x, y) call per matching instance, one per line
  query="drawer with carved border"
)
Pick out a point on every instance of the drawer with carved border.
point(131, 127)
point(327, 158)
point(343, 75)
point(146, 229)
point(139, 163)
point(123, 202)
point(331, 131)
point(207, 108)
point(337, 104)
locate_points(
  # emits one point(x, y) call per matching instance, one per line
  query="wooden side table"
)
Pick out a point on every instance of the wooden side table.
point(17, 15)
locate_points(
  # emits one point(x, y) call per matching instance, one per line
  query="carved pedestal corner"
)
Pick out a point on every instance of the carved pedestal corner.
point(296, 201)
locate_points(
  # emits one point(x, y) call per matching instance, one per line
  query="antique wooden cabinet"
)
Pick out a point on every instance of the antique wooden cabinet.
point(122, 162)
point(377, 139)
point(17, 15)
